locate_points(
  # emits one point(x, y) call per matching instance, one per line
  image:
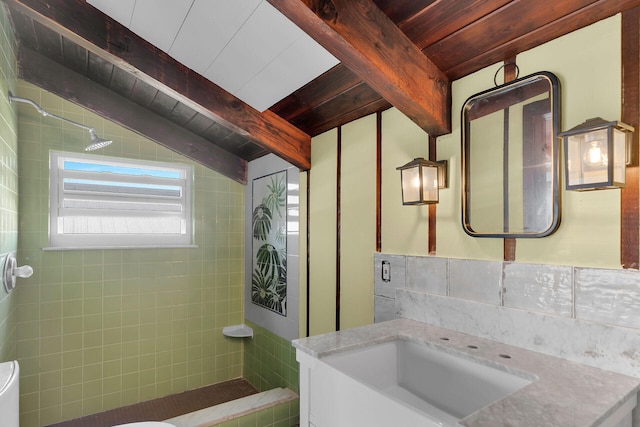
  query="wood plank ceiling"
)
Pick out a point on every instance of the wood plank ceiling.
point(403, 53)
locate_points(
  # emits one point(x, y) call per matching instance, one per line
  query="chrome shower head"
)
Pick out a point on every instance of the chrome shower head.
point(96, 142)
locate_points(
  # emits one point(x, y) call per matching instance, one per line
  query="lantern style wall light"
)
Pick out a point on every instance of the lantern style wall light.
point(421, 180)
point(596, 154)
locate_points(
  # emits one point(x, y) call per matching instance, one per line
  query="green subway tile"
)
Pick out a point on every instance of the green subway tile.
point(72, 323)
point(112, 352)
point(265, 417)
point(122, 317)
point(91, 339)
point(72, 291)
point(72, 342)
point(51, 380)
point(50, 310)
point(111, 399)
point(130, 334)
point(72, 308)
point(92, 322)
point(50, 293)
point(73, 376)
point(250, 420)
point(72, 393)
point(92, 273)
point(73, 258)
point(51, 344)
point(92, 289)
point(92, 388)
point(92, 355)
point(112, 368)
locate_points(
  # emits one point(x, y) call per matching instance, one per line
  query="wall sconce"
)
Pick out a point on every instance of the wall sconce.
point(596, 154)
point(421, 180)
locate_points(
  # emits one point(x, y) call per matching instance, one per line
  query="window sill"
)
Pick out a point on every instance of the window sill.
point(89, 248)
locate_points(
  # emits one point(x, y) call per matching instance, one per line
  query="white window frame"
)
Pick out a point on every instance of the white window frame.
point(79, 204)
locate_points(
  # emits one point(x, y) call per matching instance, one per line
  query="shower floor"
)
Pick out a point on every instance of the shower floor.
point(167, 407)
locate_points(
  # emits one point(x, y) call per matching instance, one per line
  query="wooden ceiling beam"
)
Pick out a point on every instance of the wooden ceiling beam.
point(60, 80)
point(91, 29)
point(363, 38)
point(510, 39)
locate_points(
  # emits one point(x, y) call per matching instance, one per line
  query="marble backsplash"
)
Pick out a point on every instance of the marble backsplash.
point(586, 315)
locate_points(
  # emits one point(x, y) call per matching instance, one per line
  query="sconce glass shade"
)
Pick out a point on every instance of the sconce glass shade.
point(596, 154)
point(420, 181)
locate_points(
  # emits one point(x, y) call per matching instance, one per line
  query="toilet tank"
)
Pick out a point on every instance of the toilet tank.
point(9, 393)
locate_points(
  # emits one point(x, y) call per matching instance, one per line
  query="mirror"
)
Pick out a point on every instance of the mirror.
point(510, 164)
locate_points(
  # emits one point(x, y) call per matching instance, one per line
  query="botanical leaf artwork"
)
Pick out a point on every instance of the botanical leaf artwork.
point(269, 225)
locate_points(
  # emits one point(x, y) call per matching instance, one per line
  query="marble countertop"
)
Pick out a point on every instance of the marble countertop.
point(565, 394)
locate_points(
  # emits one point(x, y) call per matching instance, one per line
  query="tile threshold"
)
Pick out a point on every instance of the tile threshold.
point(234, 409)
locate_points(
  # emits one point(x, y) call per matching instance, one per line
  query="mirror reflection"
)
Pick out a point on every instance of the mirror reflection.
point(510, 162)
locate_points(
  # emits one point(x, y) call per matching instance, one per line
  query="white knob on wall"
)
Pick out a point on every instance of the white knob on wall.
point(11, 271)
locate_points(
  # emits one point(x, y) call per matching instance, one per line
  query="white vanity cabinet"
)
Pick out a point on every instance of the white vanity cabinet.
point(344, 381)
point(329, 398)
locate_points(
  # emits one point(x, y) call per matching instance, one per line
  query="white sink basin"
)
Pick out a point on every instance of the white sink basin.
point(442, 384)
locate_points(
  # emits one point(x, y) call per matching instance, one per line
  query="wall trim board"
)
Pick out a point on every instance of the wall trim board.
point(510, 73)
point(338, 215)
point(379, 181)
point(432, 209)
point(629, 199)
point(308, 260)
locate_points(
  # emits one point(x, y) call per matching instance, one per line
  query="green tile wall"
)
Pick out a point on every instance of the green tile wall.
point(270, 361)
point(8, 184)
point(101, 329)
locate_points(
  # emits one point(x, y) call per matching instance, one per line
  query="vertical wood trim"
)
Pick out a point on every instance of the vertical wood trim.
point(379, 181)
point(338, 214)
point(629, 217)
point(510, 73)
point(505, 169)
point(432, 207)
point(308, 277)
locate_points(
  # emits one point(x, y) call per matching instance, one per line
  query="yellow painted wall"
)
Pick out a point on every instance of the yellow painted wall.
point(404, 228)
point(322, 233)
point(358, 222)
point(588, 64)
point(302, 256)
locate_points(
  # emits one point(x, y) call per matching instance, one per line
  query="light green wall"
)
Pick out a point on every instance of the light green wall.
point(99, 329)
point(322, 233)
point(8, 184)
point(358, 220)
point(270, 361)
point(409, 235)
point(587, 62)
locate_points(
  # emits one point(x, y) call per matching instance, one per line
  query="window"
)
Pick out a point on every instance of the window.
point(98, 201)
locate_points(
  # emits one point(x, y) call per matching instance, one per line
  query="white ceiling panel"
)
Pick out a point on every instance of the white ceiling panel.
point(159, 21)
point(246, 47)
point(121, 11)
point(263, 38)
point(209, 27)
point(302, 62)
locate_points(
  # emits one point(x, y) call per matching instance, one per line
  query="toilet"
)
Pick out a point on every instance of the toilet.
point(10, 393)
point(10, 397)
